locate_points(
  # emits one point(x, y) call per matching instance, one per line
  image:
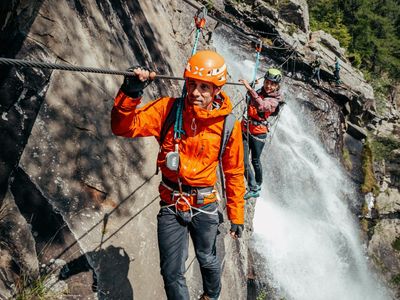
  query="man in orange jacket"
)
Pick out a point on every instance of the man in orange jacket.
point(189, 167)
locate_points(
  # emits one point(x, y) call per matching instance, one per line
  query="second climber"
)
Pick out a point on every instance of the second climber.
point(261, 104)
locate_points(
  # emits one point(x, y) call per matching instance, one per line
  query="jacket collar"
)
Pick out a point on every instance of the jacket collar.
point(222, 107)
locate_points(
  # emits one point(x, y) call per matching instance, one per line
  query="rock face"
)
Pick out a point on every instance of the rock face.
point(17, 248)
point(58, 148)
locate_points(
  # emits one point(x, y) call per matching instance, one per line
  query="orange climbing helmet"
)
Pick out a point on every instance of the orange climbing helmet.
point(207, 66)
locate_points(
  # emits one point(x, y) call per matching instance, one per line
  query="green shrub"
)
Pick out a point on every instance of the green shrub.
point(39, 289)
point(383, 146)
point(382, 86)
point(333, 24)
point(396, 279)
point(262, 295)
point(291, 29)
point(355, 59)
point(396, 244)
point(209, 5)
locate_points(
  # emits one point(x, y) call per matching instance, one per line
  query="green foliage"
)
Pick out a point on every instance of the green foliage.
point(396, 244)
point(382, 85)
point(364, 225)
point(39, 289)
point(369, 29)
point(382, 147)
point(355, 59)
point(325, 17)
point(209, 4)
point(396, 279)
point(34, 290)
point(369, 184)
point(262, 295)
point(292, 29)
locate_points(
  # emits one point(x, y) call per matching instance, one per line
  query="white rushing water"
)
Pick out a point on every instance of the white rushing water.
point(303, 225)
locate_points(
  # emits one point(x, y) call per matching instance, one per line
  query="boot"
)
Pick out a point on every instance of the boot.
point(251, 194)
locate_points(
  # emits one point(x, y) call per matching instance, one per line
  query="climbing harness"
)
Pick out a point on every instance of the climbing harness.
point(180, 194)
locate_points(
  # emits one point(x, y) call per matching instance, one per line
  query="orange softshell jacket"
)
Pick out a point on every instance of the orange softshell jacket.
point(198, 147)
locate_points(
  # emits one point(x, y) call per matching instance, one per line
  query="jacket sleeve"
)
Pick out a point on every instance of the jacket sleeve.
point(233, 166)
point(267, 104)
point(128, 121)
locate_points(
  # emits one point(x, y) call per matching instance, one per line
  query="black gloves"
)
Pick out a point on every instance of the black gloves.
point(237, 229)
point(133, 86)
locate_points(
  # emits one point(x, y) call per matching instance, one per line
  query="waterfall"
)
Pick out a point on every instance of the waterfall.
point(303, 225)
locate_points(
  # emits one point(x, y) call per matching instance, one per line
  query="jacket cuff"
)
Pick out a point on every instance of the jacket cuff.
point(124, 101)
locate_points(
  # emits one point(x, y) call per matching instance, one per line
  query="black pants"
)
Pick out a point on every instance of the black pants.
point(253, 147)
point(336, 75)
point(173, 241)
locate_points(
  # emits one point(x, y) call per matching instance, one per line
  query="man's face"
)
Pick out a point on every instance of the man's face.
point(270, 86)
point(201, 93)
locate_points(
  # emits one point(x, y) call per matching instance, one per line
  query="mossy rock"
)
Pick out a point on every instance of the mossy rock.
point(396, 244)
point(396, 279)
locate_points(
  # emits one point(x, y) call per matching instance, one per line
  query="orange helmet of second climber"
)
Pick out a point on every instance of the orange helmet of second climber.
point(207, 66)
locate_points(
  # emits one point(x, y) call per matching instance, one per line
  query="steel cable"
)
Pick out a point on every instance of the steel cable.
point(64, 67)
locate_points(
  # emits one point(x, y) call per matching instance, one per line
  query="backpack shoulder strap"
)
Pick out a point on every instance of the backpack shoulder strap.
point(169, 120)
point(229, 123)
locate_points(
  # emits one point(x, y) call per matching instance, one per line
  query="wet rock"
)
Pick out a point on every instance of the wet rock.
point(354, 147)
point(393, 168)
point(356, 132)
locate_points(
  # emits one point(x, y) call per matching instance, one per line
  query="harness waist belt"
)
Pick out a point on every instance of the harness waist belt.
point(200, 192)
point(256, 122)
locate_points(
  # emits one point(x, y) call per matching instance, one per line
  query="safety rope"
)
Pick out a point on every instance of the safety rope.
point(46, 65)
point(291, 54)
point(258, 51)
point(245, 35)
point(200, 21)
